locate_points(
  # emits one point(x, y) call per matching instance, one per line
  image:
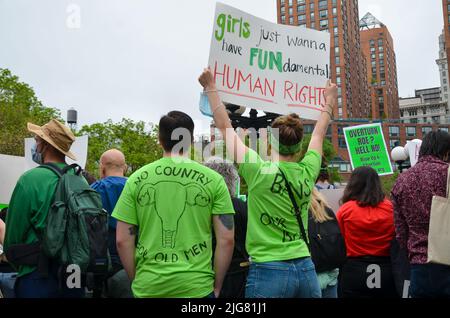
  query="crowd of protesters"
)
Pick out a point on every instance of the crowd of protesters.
point(177, 229)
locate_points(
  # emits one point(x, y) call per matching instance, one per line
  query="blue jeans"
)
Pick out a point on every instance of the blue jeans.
point(286, 279)
point(430, 281)
point(330, 292)
point(7, 281)
point(33, 285)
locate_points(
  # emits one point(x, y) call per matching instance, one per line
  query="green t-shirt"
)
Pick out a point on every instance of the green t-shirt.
point(172, 204)
point(273, 233)
point(28, 209)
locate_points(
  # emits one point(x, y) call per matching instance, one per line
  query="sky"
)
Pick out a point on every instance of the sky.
point(139, 59)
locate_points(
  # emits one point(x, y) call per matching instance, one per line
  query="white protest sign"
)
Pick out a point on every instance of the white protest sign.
point(79, 148)
point(333, 197)
point(11, 168)
point(270, 67)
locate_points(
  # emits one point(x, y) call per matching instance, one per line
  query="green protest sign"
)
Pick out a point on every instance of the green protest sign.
point(367, 147)
point(3, 206)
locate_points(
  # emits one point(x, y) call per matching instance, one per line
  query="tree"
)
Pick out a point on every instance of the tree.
point(328, 154)
point(139, 145)
point(19, 105)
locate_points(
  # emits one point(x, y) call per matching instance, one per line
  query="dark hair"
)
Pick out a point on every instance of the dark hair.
point(324, 173)
point(167, 126)
point(436, 143)
point(290, 129)
point(364, 187)
point(3, 213)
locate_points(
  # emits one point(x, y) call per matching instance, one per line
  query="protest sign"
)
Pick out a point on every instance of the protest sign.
point(367, 147)
point(11, 168)
point(413, 149)
point(275, 68)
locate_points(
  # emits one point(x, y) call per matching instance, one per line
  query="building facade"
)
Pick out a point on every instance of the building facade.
point(348, 69)
point(426, 107)
point(442, 63)
point(378, 49)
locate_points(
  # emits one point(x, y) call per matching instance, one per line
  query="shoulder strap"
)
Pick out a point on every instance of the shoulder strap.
point(296, 208)
point(53, 167)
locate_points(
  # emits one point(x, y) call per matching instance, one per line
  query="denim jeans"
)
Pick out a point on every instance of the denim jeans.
point(7, 281)
point(330, 292)
point(34, 286)
point(430, 281)
point(285, 279)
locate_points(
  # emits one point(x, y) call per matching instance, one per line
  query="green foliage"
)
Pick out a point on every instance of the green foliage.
point(328, 150)
point(140, 146)
point(387, 182)
point(19, 105)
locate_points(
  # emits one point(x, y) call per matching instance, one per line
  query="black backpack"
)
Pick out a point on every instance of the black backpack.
point(327, 245)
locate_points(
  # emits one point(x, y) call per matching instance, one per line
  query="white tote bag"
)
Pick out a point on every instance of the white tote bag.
point(439, 234)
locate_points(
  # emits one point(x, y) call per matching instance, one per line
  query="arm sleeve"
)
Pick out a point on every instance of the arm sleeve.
point(401, 227)
point(311, 165)
point(125, 209)
point(18, 217)
point(222, 201)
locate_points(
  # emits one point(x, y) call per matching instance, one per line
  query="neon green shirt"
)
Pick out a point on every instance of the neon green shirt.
point(172, 203)
point(273, 233)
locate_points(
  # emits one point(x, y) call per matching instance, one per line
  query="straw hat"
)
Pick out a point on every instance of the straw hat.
point(56, 134)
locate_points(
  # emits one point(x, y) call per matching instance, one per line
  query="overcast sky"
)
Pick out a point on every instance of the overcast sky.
point(141, 58)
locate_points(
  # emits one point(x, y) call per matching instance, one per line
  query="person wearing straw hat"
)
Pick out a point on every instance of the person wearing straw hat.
point(29, 207)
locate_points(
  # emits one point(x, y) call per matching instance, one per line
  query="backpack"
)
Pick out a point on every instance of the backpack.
point(77, 225)
point(326, 243)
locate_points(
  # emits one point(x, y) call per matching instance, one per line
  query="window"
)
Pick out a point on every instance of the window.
point(336, 50)
point(424, 111)
point(410, 131)
point(444, 129)
point(323, 14)
point(313, 25)
point(381, 49)
point(290, 2)
point(343, 168)
point(342, 143)
point(301, 8)
point(335, 30)
point(311, 6)
point(336, 40)
point(283, 19)
point(413, 121)
point(394, 131)
point(312, 16)
point(308, 129)
point(323, 4)
point(334, 11)
point(372, 43)
point(335, 21)
point(380, 42)
point(338, 70)
point(372, 50)
point(435, 119)
point(394, 143)
point(338, 80)
point(301, 18)
point(291, 11)
point(381, 55)
point(291, 20)
point(373, 56)
point(337, 60)
point(426, 130)
point(324, 24)
point(302, 25)
point(283, 10)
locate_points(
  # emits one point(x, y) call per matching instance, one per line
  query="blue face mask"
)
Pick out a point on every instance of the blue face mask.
point(35, 155)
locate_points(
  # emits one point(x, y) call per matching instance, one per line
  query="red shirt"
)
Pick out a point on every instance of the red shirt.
point(367, 231)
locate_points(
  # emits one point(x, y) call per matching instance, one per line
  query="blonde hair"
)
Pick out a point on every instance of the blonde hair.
point(318, 206)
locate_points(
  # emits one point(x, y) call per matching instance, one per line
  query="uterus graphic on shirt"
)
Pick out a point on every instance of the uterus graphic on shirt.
point(182, 196)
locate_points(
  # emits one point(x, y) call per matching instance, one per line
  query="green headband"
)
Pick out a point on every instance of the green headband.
point(285, 150)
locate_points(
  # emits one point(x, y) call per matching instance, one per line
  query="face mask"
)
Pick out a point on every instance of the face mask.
point(35, 155)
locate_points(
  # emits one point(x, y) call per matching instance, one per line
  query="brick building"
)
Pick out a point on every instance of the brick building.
point(378, 48)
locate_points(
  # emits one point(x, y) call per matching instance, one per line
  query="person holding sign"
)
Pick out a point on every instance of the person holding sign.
point(278, 200)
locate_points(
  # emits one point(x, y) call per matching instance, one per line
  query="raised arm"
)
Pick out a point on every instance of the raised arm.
point(322, 124)
point(235, 147)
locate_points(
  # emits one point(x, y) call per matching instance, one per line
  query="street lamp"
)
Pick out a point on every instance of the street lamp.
point(400, 155)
